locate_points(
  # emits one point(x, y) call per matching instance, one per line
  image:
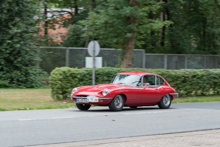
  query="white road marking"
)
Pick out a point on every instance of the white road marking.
point(146, 112)
point(81, 115)
point(48, 118)
point(138, 113)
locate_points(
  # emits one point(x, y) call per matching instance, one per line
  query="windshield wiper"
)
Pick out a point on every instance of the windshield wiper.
point(133, 82)
point(121, 83)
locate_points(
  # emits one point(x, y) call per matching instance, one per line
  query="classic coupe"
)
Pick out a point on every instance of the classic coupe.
point(127, 89)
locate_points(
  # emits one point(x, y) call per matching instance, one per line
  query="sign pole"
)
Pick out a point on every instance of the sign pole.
point(93, 70)
point(93, 50)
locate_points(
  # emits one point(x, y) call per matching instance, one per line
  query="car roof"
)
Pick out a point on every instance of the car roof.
point(137, 73)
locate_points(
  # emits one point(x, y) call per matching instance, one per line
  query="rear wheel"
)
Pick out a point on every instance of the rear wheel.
point(117, 103)
point(83, 106)
point(165, 102)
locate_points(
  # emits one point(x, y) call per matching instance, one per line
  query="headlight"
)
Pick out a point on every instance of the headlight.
point(74, 90)
point(105, 92)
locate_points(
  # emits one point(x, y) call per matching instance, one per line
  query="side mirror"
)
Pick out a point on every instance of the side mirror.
point(146, 85)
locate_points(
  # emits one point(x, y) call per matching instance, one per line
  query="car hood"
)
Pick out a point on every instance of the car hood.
point(92, 89)
point(100, 87)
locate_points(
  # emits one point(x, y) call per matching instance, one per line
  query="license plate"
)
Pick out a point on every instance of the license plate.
point(93, 99)
point(82, 100)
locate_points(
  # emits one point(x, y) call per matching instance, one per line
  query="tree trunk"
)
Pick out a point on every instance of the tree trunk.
point(204, 36)
point(76, 7)
point(93, 4)
point(129, 49)
point(130, 41)
point(45, 19)
point(170, 27)
point(214, 36)
point(214, 29)
point(168, 12)
point(163, 28)
point(88, 29)
point(45, 22)
point(216, 3)
point(152, 32)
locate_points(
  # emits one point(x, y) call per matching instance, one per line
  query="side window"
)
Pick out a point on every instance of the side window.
point(149, 79)
point(160, 81)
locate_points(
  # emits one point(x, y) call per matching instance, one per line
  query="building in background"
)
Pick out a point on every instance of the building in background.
point(55, 28)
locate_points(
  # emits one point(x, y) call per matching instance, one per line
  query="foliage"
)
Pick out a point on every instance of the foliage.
point(75, 37)
point(191, 27)
point(187, 82)
point(109, 21)
point(79, 4)
point(194, 25)
point(17, 58)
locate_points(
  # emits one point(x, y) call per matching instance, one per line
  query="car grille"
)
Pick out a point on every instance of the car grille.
point(80, 96)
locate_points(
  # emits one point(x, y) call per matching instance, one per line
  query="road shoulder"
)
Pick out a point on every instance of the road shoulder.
point(186, 139)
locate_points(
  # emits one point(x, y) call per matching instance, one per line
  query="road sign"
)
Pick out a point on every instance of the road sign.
point(93, 50)
point(93, 45)
point(89, 62)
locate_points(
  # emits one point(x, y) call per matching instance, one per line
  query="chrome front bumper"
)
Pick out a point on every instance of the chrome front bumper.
point(175, 94)
point(90, 98)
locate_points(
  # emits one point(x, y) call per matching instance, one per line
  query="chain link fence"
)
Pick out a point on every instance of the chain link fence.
point(182, 61)
point(52, 57)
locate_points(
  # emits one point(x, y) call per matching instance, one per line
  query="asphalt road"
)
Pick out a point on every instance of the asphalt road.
point(35, 127)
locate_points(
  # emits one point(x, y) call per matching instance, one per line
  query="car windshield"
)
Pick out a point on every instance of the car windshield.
point(131, 80)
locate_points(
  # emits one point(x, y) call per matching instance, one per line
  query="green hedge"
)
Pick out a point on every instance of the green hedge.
point(187, 82)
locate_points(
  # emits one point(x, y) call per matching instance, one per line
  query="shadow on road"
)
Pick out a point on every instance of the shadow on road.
point(97, 109)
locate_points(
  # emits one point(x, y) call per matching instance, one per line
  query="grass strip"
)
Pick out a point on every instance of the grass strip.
point(42, 87)
point(30, 100)
point(41, 99)
point(196, 99)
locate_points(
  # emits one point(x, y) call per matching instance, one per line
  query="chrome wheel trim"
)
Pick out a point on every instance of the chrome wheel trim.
point(166, 100)
point(118, 101)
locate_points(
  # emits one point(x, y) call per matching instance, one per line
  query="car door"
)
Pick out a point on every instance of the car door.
point(133, 96)
point(149, 94)
point(131, 90)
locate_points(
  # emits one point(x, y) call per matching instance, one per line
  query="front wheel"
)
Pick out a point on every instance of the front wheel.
point(165, 102)
point(83, 106)
point(117, 103)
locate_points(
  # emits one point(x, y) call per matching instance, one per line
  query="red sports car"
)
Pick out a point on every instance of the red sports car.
point(130, 89)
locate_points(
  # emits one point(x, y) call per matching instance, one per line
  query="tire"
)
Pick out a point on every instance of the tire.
point(133, 107)
point(165, 102)
point(117, 103)
point(83, 106)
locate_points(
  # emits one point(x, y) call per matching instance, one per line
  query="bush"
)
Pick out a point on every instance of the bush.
point(187, 82)
point(17, 58)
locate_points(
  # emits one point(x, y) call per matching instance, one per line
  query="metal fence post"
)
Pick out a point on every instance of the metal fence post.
point(165, 61)
point(38, 57)
point(67, 57)
point(215, 61)
point(185, 62)
point(205, 62)
point(144, 60)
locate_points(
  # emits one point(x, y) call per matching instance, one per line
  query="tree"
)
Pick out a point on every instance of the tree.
point(79, 11)
point(196, 26)
point(162, 26)
point(17, 58)
point(118, 23)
